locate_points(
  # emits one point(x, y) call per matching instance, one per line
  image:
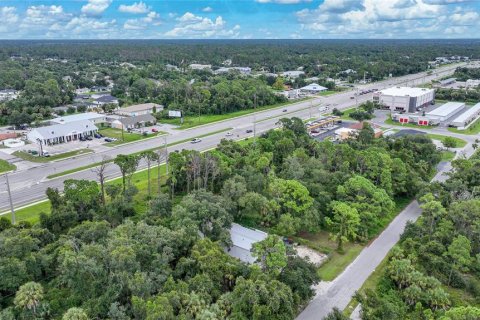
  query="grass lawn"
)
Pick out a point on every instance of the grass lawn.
point(346, 114)
point(194, 121)
point(29, 157)
point(459, 143)
point(448, 155)
point(5, 166)
point(31, 213)
point(473, 129)
point(339, 261)
point(406, 125)
point(328, 92)
point(127, 136)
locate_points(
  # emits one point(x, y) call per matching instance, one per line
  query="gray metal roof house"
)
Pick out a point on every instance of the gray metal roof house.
point(243, 240)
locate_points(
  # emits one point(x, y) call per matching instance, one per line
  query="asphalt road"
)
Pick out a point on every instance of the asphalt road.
point(28, 186)
point(341, 290)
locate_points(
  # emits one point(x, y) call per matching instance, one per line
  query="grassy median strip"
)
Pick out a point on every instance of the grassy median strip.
point(6, 166)
point(32, 158)
point(459, 143)
point(93, 165)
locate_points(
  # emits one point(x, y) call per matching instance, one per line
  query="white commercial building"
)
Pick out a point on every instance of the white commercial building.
point(139, 109)
point(60, 133)
point(446, 111)
point(463, 120)
point(404, 99)
point(96, 118)
point(293, 74)
point(313, 88)
point(471, 83)
point(243, 240)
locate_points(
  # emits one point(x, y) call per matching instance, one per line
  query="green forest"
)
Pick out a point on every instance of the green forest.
point(95, 255)
point(47, 73)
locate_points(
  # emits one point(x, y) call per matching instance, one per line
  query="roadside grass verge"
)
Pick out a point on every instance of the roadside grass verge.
point(459, 143)
point(473, 129)
point(92, 165)
point(31, 213)
point(29, 157)
point(337, 261)
point(195, 121)
point(6, 166)
point(127, 136)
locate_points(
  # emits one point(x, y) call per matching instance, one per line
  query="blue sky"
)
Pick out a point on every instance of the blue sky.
point(239, 19)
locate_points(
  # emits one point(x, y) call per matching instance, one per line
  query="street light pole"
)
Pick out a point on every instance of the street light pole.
point(12, 209)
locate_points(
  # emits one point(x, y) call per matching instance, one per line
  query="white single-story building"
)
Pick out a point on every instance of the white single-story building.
point(95, 118)
point(133, 122)
point(198, 66)
point(8, 94)
point(469, 116)
point(292, 74)
point(404, 99)
point(446, 111)
point(243, 240)
point(60, 133)
point(313, 88)
point(139, 109)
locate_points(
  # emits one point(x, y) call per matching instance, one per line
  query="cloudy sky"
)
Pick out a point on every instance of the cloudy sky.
point(239, 19)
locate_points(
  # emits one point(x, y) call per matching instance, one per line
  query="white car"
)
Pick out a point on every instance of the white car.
point(229, 134)
point(196, 140)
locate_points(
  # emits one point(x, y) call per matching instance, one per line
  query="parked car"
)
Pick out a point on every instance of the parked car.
point(249, 131)
point(82, 139)
point(229, 134)
point(196, 140)
point(352, 97)
point(46, 154)
point(89, 138)
point(108, 140)
point(284, 110)
point(154, 130)
point(98, 135)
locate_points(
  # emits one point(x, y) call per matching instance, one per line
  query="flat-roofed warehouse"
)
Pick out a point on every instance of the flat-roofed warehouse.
point(404, 99)
point(446, 111)
point(467, 117)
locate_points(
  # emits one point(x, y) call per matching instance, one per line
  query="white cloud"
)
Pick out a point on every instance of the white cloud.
point(8, 15)
point(192, 26)
point(283, 1)
point(96, 7)
point(42, 15)
point(135, 8)
point(464, 18)
point(152, 18)
point(207, 9)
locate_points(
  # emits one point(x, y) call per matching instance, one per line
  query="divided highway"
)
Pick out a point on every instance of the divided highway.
point(28, 186)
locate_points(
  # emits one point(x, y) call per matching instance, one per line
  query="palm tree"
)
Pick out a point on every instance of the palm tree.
point(29, 296)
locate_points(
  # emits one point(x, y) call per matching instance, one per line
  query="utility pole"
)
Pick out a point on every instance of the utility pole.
point(165, 146)
point(12, 209)
point(41, 148)
point(123, 138)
